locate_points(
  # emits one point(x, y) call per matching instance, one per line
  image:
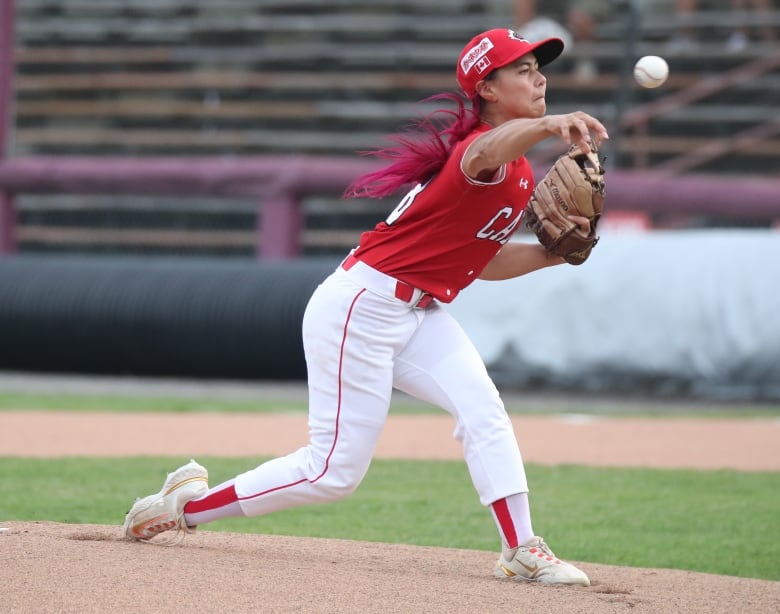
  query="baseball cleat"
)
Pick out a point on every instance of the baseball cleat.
point(164, 510)
point(535, 562)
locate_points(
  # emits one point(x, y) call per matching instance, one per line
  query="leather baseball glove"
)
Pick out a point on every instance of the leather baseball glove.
point(574, 185)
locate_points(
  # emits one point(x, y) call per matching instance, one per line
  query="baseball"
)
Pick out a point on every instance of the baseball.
point(651, 71)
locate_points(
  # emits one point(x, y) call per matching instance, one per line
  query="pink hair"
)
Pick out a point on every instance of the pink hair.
point(417, 157)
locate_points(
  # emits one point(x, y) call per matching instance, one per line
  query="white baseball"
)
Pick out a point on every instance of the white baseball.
point(651, 71)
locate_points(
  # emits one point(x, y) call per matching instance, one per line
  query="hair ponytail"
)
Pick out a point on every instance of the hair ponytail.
point(417, 157)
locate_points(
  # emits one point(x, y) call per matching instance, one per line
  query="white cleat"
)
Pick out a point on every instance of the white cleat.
point(535, 562)
point(164, 510)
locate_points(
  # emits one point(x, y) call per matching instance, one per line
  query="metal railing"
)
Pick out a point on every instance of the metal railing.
point(639, 117)
point(280, 183)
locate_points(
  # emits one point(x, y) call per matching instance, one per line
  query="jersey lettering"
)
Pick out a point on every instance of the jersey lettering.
point(503, 236)
point(496, 230)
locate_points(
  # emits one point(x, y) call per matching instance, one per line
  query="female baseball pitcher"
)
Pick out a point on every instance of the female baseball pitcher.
point(376, 323)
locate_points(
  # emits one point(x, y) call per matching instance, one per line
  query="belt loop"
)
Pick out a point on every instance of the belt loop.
point(405, 292)
point(425, 300)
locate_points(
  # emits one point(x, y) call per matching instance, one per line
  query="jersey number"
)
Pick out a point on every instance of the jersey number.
point(405, 203)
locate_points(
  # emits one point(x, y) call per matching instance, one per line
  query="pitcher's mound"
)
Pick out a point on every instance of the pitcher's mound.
point(51, 567)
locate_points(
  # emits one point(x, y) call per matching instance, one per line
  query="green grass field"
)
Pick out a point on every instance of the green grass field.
point(723, 522)
point(406, 405)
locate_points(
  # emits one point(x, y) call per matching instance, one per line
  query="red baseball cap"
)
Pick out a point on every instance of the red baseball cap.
point(496, 48)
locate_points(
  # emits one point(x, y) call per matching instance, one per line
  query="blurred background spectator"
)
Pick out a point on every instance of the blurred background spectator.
point(742, 34)
point(750, 21)
point(580, 20)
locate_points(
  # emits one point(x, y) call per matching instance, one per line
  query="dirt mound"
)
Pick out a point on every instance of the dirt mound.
point(50, 567)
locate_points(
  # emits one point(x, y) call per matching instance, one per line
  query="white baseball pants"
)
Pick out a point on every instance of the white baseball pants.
point(360, 342)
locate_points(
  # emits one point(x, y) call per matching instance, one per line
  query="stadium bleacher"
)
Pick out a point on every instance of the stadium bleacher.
point(273, 77)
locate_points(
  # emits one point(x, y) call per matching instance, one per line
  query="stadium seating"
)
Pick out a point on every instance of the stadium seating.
point(243, 77)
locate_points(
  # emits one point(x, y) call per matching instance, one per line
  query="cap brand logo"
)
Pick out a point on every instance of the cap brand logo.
point(475, 54)
point(516, 36)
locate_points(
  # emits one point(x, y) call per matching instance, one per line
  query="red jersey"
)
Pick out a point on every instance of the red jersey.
point(444, 232)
